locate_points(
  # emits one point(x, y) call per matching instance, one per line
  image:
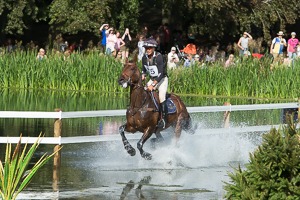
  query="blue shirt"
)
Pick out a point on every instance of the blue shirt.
point(103, 33)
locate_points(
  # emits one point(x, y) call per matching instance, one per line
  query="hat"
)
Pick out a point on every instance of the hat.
point(173, 49)
point(293, 33)
point(280, 33)
point(197, 56)
point(150, 42)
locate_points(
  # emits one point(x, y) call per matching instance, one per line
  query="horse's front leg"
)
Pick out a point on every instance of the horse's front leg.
point(127, 145)
point(147, 134)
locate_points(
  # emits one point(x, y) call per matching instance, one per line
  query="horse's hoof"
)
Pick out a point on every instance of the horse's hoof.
point(147, 156)
point(131, 151)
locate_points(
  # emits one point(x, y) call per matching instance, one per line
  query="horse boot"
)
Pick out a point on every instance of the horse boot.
point(164, 110)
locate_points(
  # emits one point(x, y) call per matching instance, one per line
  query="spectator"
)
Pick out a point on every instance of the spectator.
point(119, 44)
point(292, 46)
point(189, 61)
point(167, 36)
point(298, 49)
point(277, 46)
point(141, 47)
point(41, 54)
point(201, 55)
point(197, 59)
point(230, 61)
point(104, 32)
point(243, 44)
point(80, 47)
point(111, 41)
point(127, 39)
point(172, 58)
point(210, 57)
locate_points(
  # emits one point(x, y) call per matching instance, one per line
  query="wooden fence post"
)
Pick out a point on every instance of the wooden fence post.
point(57, 156)
point(227, 116)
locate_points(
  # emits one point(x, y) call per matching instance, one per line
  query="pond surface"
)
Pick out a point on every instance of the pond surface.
point(196, 168)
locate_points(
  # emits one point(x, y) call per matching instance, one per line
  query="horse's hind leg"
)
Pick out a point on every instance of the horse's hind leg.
point(159, 138)
point(127, 145)
point(141, 143)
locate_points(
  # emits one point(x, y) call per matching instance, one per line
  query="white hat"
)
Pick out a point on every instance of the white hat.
point(293, 33)
point(173, 48)
point(280, 33)
point(197, 56)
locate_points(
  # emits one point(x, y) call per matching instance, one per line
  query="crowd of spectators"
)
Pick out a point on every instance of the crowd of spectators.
point(180, 50)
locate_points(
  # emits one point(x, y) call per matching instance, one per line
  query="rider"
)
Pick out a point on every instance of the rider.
point(153, 64)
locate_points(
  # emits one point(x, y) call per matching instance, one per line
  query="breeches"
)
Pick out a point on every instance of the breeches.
point(162, 87)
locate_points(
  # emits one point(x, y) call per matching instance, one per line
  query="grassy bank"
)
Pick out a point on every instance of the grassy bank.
point(94, 72)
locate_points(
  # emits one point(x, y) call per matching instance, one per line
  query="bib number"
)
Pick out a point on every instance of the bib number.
point(152, 69)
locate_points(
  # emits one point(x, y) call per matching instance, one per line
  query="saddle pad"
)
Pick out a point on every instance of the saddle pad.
point(171, 106)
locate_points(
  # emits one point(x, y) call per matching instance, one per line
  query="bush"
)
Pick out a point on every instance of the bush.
point(273, 171)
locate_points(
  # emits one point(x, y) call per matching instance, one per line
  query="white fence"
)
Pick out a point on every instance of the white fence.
point(83, 114)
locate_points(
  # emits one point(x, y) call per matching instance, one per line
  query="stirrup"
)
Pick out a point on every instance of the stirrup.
point(161, 124)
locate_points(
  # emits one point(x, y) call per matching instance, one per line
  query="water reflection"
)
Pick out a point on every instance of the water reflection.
point(194, 170)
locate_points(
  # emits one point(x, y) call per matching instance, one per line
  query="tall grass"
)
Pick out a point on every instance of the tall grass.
point(14, 176)
point(99, 73)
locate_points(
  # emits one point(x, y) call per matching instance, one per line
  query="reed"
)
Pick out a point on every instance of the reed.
point(99, 73)
point(14, 176)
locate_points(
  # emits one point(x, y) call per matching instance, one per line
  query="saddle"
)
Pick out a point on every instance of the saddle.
point(170, 104)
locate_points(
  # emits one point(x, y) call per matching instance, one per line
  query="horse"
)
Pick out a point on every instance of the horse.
point(143, 112)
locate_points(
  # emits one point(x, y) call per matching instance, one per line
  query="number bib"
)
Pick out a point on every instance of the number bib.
point(152, 69)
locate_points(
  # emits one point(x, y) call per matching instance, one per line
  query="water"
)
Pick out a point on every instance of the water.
point(195, 168)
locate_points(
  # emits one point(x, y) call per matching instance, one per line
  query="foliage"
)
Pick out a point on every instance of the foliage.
point(94, 72)
point(273, 171)
point(71, 16)
point(206, 18)
point(13, 175)
point(17, 16)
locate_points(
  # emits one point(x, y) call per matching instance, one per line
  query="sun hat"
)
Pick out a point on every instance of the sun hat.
point(293, 33)
point(150, 42)
point(280, 33)
point(197, 56)
point(173, 49)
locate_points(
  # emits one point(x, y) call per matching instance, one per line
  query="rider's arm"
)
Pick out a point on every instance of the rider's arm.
point(160, 67)
point(144, 62)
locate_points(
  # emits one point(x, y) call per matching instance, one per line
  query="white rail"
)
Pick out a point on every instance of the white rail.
point(137, 136)
point(104, 113)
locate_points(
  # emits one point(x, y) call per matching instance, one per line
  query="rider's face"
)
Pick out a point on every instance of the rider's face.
point(149, 50)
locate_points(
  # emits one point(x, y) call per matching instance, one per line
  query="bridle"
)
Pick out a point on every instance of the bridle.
point(128, 81)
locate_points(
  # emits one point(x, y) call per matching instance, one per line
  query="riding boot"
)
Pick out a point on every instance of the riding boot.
point(164, 110)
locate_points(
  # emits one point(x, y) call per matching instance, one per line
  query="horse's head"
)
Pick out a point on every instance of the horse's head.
point(130, 75)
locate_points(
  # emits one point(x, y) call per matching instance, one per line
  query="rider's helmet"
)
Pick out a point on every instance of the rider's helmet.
point(150, 42)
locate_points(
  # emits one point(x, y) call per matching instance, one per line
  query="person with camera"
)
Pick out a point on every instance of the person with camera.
point(127, 39)
point(243, 44)
point(276, 49)
point(172, 59)
point(292, 46)
point(153, 65)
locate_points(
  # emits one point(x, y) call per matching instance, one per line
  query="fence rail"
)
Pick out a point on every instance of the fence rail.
point(58, 140)
point(106, 113)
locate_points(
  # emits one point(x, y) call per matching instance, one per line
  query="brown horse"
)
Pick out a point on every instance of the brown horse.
point(143, 112)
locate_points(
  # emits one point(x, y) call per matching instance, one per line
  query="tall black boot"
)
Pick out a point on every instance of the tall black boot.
point(164, 110)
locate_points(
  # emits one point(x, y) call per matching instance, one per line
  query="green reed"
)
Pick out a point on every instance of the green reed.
point(99, 73)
